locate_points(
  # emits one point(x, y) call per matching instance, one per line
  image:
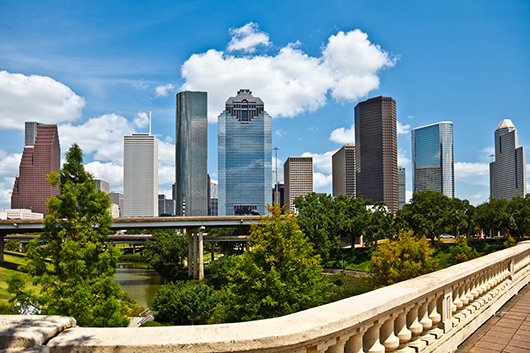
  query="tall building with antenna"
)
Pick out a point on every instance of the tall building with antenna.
point(140, 175)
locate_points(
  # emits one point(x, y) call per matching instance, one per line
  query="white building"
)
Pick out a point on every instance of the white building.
point(19, 213)
point(508, 171)
point(140, 175)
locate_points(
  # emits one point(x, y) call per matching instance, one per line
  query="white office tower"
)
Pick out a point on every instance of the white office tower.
point(140, 176)
point(508, 171)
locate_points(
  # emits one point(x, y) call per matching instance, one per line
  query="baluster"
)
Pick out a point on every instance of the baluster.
point(371, 343)
point(403, 333)
point(388, 338)
point(436, 318)
point(426, 322)
point(339, 346)
point(355, 342)
point(415, 328)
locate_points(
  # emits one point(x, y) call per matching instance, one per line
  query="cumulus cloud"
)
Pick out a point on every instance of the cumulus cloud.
point(247, 38)
point(166, 154)
point(321, 162)
point(36, 98)
point(320, 180)
point(163, 91)
point(472, 173)
point(8, 170)
point(402, 158)
point(290, 82)
point(141, 121)
point(343, 135)
point(110, 172)
point(402, 129)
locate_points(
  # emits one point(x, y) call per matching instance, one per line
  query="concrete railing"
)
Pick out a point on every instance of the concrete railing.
point(431, 313)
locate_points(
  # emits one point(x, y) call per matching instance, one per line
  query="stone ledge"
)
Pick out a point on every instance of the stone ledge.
point(23, 332)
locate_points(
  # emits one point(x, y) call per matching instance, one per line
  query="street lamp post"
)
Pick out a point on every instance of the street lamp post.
point(275, 149)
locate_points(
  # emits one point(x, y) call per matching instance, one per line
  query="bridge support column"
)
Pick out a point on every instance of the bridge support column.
point(190, 255)
point(194, 239)
point(212, 250)
point(201, 255)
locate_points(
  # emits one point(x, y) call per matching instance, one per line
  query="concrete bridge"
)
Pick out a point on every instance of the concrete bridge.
point(432, 313)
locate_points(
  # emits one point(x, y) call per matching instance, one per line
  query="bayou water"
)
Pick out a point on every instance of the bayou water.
point(139, 280)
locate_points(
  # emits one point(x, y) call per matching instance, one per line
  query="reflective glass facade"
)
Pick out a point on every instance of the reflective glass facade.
point(433, 158)
point(192, 183)
point(244, 155)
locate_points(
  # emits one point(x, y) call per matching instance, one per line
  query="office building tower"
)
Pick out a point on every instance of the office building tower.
point(117, 199)
point(102, 185)
point(19, 214)
point(244, 155)
point(508, 171)
point(376, 151)
point(166, 207)
point(279, 197)
point(191, 153)
point(41, 155)
point(140, 176)
point(298, 179)
point(432, 158)
point(402, 187)
point(214, 198)
point(343, 171)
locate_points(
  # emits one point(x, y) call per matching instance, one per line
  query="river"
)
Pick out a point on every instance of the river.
point(139, 280)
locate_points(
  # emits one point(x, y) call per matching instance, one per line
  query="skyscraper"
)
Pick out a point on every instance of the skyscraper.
point(140, 176)
point(298, 179)
point(191, 154)
point(508, 171)
point(343, 174)
point(402, 187)
point(41, 155)
point(433, 159)
point(244, 155)
point(376, 151)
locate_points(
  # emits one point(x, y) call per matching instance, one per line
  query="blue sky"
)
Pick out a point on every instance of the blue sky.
point(91, 66)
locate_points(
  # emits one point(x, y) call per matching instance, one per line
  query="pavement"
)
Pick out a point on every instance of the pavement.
point(507, 331)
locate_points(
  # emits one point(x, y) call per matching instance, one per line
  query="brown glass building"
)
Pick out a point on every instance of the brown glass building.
point(41, 155)
point(376, 151)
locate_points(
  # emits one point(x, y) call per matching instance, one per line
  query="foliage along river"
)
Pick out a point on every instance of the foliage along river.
point(139, 280)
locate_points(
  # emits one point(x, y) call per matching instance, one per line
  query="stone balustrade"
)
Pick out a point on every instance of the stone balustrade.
point(431, 313)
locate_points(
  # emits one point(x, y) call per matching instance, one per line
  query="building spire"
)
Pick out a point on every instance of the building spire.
point(149, 114)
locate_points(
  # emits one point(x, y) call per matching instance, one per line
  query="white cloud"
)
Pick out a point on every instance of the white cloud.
point(141, 120)
point(110, 172)
point(280, 163)
point(247, 38)
point(166, 154)
point(476, 196)
point(408, 196)
point(402, 129)
point(290, 82)
point(280, 133)
point(321, 162)
point(402, 158)
point(163, 91)
point(320, 180)
point(36, 98)
point(9, 164)
point(472, 173)
point(343, 135)
point(166, 174)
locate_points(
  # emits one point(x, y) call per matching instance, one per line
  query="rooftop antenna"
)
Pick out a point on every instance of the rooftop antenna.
point(149, 114)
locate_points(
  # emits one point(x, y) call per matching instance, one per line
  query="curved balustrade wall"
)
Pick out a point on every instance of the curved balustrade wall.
point(431, 313)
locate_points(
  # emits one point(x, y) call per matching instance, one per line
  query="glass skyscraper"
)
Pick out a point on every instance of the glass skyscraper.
point(244, 156)
point(192, 183)
point(433, 158)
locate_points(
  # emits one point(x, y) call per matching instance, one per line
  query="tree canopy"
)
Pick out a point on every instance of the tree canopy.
point(75, 269)
point(281, 274)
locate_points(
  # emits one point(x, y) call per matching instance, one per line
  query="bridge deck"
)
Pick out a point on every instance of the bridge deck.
point(507, 331)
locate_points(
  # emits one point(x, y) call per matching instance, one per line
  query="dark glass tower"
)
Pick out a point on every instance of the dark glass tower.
point(376, 151)
point(192, 182)
point(245, 155)
point(432, 158)
point(42, 154)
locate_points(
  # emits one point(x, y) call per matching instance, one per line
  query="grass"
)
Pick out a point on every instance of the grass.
point(9, 267)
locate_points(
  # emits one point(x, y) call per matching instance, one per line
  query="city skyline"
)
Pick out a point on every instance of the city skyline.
point(95, 70)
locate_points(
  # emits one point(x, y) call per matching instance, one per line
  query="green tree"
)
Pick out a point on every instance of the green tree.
point(281, 275)
point(460, 251)
point(519, 209)
point(166, 253)
point(401, 259)
point(13, 245)
point(185, 303)
point(494, 216)
point(79, 280)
